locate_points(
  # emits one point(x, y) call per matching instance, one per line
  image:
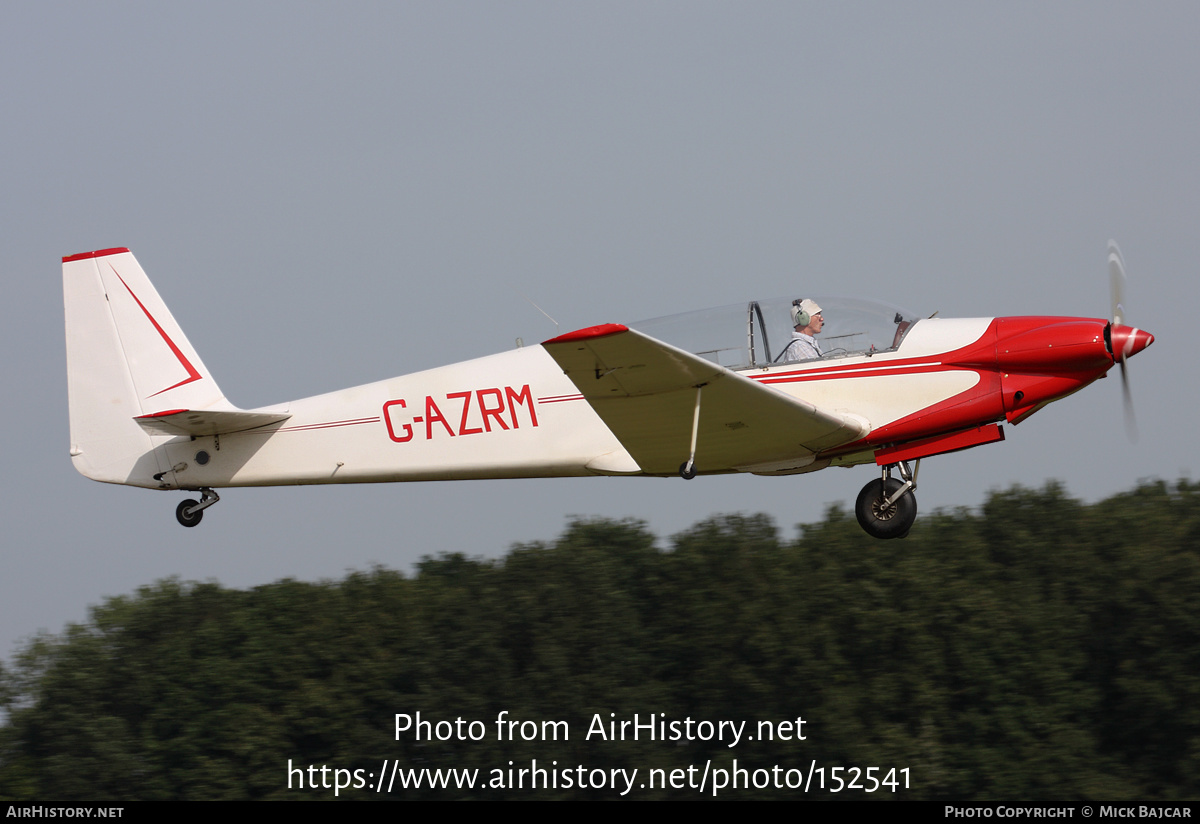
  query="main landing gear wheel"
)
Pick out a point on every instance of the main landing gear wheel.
point(189, 512)
point(185, 515)
point(687, 470)
point(879, 518)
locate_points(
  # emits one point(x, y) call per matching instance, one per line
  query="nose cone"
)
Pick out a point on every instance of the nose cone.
point(1128, 341)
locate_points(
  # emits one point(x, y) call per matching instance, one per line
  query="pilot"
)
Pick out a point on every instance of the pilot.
point(807, 321)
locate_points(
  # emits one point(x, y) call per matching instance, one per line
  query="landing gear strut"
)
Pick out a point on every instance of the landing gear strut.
point(189, 512)
point(687, 469)
point(886, 507)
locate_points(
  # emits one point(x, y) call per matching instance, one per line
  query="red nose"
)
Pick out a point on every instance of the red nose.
point(1128, 341)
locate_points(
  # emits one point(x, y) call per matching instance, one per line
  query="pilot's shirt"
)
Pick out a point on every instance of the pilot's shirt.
point(802, 347)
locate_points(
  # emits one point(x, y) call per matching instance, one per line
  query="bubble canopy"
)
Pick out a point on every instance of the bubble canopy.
point(756, 334)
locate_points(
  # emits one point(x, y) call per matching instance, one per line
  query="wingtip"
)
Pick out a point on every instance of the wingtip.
point(601, 331)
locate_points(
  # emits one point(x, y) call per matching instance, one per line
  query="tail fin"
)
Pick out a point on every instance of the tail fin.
point(126, 358)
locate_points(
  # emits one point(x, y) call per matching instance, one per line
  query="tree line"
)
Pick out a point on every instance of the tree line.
point(1037, 648)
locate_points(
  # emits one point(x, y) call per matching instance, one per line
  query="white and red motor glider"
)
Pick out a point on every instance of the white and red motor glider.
point(702, 393)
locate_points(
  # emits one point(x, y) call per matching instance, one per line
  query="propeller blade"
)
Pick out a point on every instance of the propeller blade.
point(1131, 427)
point(1116, 282)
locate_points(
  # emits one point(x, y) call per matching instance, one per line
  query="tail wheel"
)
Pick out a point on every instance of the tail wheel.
point(184, 514)
point(879, 518)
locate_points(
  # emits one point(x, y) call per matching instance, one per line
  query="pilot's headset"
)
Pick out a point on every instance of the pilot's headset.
point(802, 311)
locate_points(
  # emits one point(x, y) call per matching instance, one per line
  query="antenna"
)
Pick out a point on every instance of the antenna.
point(534, 305)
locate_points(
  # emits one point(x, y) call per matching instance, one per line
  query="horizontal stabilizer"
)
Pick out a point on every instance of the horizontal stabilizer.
point(200, 422)
point(645, 392)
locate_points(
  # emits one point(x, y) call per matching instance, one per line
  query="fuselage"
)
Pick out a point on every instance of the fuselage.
point(516, 414)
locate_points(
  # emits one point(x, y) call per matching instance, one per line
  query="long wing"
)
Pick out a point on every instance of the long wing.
point(645, 392)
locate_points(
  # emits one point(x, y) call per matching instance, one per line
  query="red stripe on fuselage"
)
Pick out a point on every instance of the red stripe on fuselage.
point(328, 424)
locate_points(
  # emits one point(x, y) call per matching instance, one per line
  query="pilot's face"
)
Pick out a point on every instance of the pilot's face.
point(817, 322)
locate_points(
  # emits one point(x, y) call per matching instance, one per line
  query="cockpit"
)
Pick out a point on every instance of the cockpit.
point(742, 336)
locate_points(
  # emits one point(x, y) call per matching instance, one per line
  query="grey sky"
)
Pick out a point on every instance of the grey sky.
point(329, 195)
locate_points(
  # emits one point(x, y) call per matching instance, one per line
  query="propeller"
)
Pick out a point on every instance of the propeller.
point(1123, 341)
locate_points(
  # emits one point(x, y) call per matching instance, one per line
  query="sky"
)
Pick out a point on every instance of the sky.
point(327, 195)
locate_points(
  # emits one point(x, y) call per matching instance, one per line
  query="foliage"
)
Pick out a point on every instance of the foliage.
point(1040, 649)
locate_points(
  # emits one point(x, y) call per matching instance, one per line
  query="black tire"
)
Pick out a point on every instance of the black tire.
point(686, 473)
point(893, 522)
point(181, 513)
